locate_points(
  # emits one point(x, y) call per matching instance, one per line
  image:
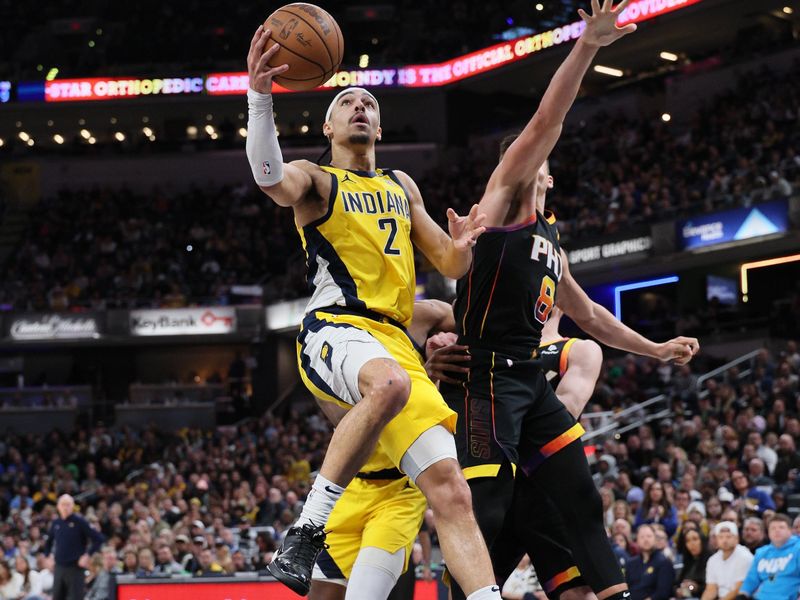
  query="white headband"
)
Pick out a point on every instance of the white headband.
point(342, 93)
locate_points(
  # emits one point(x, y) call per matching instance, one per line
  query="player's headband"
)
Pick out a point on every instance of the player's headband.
point(342, 93)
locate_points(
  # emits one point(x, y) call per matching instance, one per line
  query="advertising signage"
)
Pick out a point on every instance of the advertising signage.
point(733, 225)
point(611, 250)
point(405, 76)
point(54, 327)
point(183, 321)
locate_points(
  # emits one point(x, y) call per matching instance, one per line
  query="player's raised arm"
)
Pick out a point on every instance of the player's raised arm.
point(286, 184)
point(524, 157)
point(595, 320)
point(451, 255)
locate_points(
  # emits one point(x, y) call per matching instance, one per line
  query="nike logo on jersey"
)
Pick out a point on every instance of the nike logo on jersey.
point(495, 588)
point(542, 247)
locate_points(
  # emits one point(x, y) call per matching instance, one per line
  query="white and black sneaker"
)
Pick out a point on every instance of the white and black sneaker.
point(294, 561)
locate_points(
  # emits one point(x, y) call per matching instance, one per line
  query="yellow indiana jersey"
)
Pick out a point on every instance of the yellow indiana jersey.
point(359, 255)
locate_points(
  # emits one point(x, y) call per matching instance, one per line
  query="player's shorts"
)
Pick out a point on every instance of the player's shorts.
point(554, 359)
point(379, 509)
point(534, 526)
point(334, 344)
point(507, 411)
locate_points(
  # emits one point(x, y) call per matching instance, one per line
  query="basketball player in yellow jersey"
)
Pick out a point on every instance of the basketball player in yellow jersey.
point(373, 527)
point(357, 224)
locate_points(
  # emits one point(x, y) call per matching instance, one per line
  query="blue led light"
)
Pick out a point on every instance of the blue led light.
point(637, 286)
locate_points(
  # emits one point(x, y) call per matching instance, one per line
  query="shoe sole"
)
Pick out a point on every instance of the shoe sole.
point(291, 583)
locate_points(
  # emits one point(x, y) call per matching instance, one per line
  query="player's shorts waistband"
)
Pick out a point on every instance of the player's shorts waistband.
point(367, 314)
point(520, 353)
point(383, 474)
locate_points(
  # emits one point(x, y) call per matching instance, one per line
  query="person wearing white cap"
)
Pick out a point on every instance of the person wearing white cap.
point(357, 224)
point(727, 568)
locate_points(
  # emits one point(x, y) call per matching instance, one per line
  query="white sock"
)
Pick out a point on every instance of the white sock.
point(320, 502)
point(490, 592)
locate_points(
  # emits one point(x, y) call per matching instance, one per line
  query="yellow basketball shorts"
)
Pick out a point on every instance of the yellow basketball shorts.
point(385, 514)
point(332, 348)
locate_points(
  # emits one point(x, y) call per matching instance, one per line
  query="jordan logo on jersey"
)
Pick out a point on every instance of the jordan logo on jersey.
point(542, 247)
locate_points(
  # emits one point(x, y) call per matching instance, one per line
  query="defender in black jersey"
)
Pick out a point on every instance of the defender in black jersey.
point(509, 415)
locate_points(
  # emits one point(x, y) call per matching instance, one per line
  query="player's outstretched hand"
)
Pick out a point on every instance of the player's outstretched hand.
point(679, 350)
point(601, 25)
point(260, 72)
point(465, 230)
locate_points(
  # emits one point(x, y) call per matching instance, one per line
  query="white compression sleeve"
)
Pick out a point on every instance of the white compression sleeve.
point(375, 573)
point(263, 151)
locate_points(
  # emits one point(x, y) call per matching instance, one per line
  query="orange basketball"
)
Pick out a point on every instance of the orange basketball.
point(311, 44)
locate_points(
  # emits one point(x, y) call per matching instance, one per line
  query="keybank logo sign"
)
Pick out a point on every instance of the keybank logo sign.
point(183, 321)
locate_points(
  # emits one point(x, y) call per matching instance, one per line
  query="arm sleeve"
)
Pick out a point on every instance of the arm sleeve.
point(263, 151)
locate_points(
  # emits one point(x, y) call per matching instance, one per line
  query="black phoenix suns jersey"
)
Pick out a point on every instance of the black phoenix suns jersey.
point(505, 299)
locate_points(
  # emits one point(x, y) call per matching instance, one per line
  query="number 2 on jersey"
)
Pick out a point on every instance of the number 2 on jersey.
point(544, 304)
point(392, 225)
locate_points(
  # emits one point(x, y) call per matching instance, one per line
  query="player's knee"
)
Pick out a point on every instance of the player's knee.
point(450, 492)
point(588, 353)
point(388, 387)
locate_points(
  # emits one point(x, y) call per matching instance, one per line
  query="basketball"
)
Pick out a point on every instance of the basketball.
point(311, 44)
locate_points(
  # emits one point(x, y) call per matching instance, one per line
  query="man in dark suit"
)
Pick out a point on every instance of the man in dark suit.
point(75, 541)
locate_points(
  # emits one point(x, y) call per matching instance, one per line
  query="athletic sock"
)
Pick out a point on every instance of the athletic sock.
point(320, 502)
point(490, 592)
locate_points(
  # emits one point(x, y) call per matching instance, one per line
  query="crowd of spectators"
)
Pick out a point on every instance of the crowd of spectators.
point(104, 248)
point(211, 502)
point(617, 172)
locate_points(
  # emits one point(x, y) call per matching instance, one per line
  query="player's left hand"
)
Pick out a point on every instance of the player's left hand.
point(601, 25)
point(465, 230)
point(448, 359)
point(679, 350)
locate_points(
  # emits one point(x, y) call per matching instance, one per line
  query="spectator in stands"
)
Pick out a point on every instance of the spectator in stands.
point(748, 498)
point(764, 452)
point(759, 477)
point(240, 562)
point(788, 457)
point(728, 566)
point(693, 549)
point(75, 541)
point(649, 575)
point(208, 566)
point(130, 561)
point(775, 571)
point(32, 584)
point(103, 584)
point(754, 534)
point(10, 581)
point(166, 563)
point(146, 563)
point(657, 509)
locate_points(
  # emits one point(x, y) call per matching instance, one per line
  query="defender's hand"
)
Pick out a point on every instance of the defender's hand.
point(260, 72)
point(449, 359)
point(601, 25)
point(465, 230)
